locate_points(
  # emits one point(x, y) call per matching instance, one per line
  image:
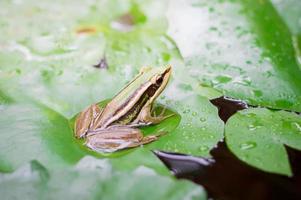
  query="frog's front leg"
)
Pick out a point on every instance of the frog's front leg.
point(116, 138)
point(145, 117)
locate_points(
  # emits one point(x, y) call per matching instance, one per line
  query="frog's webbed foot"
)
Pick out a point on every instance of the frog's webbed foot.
point(149, 139)
point(85, 120)
point(117, 138)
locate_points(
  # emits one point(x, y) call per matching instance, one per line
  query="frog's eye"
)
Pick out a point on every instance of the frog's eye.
point(159, 80)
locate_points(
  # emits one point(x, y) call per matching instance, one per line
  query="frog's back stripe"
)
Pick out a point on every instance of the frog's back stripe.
point(135, 110)
point(127, 105)
point(127, 85)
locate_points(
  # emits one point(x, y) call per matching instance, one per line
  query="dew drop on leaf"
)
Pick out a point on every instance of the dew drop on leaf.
point(186, 111)
point(202, 119)
point(203, 148)
point(251, 127)
point(297, 126)
point(189, 124)
point(247, 145)
point(250, 115)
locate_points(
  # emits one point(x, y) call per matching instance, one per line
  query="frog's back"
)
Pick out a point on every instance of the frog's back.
point(126, 99)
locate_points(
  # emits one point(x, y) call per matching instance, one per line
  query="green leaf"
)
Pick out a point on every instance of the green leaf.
point(200, 128)
point(53, 64)
point(258, 135)
point(241, 48)
point(290, 11)
point(33, 132)
point(30, 132)
point(93, 179)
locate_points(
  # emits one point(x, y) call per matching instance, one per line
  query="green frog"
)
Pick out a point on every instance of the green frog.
point(115, 126)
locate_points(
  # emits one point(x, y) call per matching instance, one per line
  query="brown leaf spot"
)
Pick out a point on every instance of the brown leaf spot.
point(86, 30)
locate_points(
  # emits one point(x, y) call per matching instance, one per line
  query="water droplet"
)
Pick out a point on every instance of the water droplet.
point(297, 126)
point(194, 113)
point(245, 80)
point(282, 95)
point(249, 62)
point(251, 115)
point(186, 111)
point(247, 145)
point(168, 146)
point(253, 127)
point(268, 74)
point(203, 148)
point(202, 119)
point(189, 125)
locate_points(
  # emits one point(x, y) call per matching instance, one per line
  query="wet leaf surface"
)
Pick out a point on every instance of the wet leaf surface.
point(45, 62)
point(242, 48)
point(32, 132)
point(257, 136)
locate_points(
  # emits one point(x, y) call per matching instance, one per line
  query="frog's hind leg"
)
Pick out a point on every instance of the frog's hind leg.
point(147, 139)
point(86, 119)
point(113, 138)
point(117, 138)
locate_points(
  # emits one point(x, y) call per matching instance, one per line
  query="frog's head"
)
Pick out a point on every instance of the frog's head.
point(158, 79)
point(161, 76)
